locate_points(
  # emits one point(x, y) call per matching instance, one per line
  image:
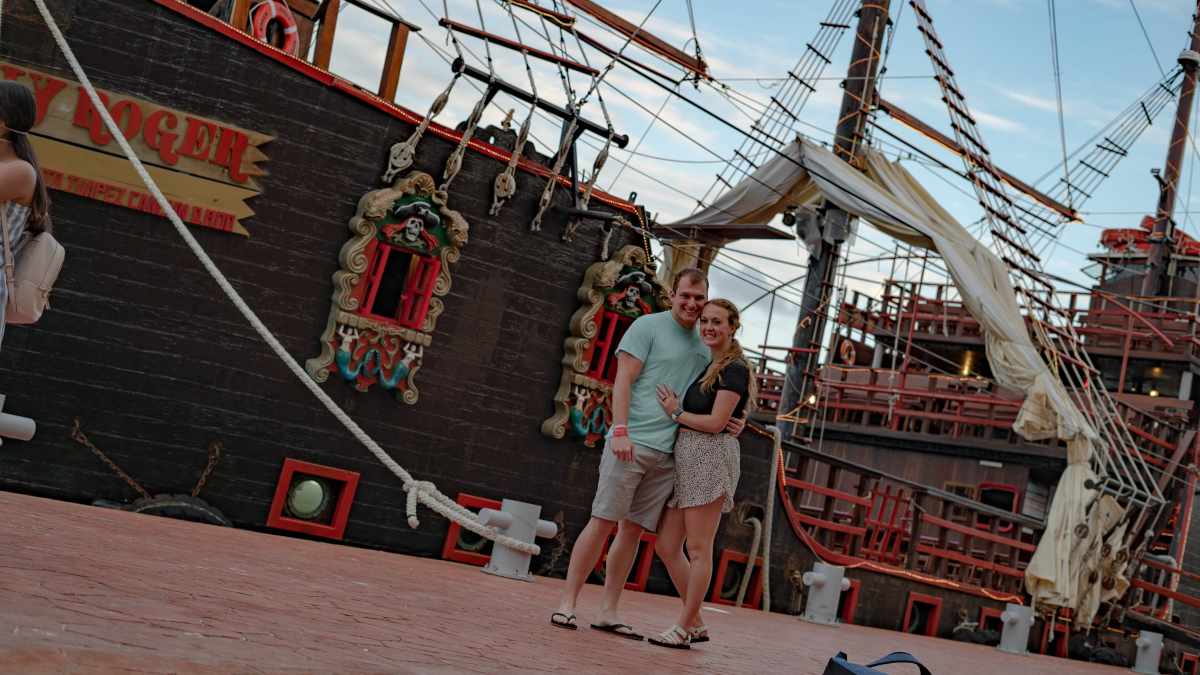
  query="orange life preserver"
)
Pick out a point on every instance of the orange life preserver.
point(846, 351)
point(267, 11)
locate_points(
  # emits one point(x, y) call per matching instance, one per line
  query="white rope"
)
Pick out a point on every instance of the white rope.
point(424, 491)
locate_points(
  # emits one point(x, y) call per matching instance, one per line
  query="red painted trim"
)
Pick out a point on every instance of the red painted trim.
point(1190, 601)
point(851, 601)
point(986, 613)
point(978, 533)
point(718, 582)
point(1189, 663)
point(1060, 641)
point(935, 616)
point(236, 35)
point(341, 513)
point(1184, 526)
point(642, 563)
point(331, 80)
point(450, 549)
point(851, 562)
point(829, 492)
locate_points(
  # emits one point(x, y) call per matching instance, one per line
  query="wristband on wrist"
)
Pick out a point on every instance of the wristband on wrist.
point(620, 431)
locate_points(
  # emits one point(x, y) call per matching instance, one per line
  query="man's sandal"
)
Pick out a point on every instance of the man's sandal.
point(698, 634)
point(621, 629)
point(672, 638)
point(567, 621)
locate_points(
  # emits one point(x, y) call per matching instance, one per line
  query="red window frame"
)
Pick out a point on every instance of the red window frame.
point(985, 522)
point(754, 590)
point(935, 616)
point(611, 328)
point(418, 286)
point(450, 549)
point(341, 512)
point(643, 559)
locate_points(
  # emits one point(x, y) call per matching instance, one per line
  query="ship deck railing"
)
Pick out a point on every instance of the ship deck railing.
point(951, 407)
point(1165, 327)
point(848, 512)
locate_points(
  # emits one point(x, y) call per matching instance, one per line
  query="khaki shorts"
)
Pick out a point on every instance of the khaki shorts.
point(637, 490)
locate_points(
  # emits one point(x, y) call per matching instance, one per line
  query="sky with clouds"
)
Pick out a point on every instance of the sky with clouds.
point(1000, 51)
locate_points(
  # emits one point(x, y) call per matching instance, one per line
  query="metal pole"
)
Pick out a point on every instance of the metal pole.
point(1157, 275)
point(859, 88)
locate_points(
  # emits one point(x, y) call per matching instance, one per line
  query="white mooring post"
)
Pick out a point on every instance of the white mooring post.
point(825, 585)
point(521, 522)
point(1014, 637)
point(1149, 651)
point(15, 426)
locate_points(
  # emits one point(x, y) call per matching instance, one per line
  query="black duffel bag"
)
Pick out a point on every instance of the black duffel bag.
point(838, 665)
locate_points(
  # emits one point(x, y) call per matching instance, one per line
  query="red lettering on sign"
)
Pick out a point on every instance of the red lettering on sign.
point(128, 116)
point(86, 116)
point(230, 153)
point(162, 141)
point(198, 139)
point(53, 179)
point(44, 90)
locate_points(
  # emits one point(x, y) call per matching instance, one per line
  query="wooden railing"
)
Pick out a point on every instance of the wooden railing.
point(848, 512)
point(1103, 320)
point(935, 404)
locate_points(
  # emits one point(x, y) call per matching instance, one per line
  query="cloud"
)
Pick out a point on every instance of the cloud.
point(1031, 100)
point(997, 122)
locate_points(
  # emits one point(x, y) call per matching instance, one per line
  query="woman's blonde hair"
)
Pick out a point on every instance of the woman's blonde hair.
point(732, 355)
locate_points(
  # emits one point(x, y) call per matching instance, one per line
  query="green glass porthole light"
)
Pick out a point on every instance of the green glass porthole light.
point(307, 498)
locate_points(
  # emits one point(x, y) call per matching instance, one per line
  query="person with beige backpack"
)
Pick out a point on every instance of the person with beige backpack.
point(32, 258)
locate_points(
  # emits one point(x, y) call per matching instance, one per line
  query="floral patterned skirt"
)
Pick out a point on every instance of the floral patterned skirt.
point(707, 466)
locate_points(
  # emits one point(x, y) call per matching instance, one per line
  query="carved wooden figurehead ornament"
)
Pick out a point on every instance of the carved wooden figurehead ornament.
point(613, 294)
point(387, 292)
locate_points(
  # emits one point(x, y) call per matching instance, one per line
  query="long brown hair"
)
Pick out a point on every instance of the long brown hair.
point(732, 355)
point(18, 110)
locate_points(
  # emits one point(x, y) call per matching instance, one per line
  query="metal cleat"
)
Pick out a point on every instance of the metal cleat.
point(15, 426)
point(1014, 637)
point(1149, 651)
point(521, 522)
point(825, 585)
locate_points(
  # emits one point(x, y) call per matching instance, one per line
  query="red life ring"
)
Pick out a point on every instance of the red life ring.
point(267, 11)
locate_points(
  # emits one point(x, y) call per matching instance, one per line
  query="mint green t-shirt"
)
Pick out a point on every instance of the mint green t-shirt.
point(670, 355)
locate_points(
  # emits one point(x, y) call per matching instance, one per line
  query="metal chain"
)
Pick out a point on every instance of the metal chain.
point(214, 456)
point(78, 436)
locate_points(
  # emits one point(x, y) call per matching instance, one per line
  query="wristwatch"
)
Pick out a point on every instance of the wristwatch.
point(676, 415)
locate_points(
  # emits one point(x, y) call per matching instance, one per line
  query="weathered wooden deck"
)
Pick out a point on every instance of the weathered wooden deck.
point(90, 590)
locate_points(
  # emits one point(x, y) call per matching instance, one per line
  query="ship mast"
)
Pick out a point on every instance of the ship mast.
point(1158, 274)
point(857, 99)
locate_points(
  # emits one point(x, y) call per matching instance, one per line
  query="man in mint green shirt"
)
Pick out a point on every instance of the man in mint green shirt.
point(637, 468)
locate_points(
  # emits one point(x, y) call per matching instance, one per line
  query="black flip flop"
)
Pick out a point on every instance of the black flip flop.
point(616, 629)
point(567, 621)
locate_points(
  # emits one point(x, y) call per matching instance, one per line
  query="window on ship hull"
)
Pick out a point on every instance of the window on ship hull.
point(400, 286)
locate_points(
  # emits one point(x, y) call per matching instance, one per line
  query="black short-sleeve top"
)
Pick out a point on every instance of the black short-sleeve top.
point(735, 377)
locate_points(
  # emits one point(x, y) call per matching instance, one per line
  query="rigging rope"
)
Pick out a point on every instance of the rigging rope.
point(1062, 129)
point(423, 491)
point(1149, 42)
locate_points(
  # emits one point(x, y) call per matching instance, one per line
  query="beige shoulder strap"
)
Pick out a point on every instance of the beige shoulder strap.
point(9, 263)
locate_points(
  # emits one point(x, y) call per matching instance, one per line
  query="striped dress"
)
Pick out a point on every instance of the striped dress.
point(16, 218)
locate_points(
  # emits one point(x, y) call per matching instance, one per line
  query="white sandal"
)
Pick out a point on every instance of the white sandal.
point(672, 638)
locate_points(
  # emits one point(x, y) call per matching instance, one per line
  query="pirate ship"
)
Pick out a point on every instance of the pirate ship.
point(461, 293)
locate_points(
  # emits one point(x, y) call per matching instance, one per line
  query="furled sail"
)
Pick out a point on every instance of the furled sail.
point(890, 199)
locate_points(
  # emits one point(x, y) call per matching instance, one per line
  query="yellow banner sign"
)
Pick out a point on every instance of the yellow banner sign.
point(206, 169)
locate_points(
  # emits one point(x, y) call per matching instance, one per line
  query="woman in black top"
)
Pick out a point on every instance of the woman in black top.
point(707, 466)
